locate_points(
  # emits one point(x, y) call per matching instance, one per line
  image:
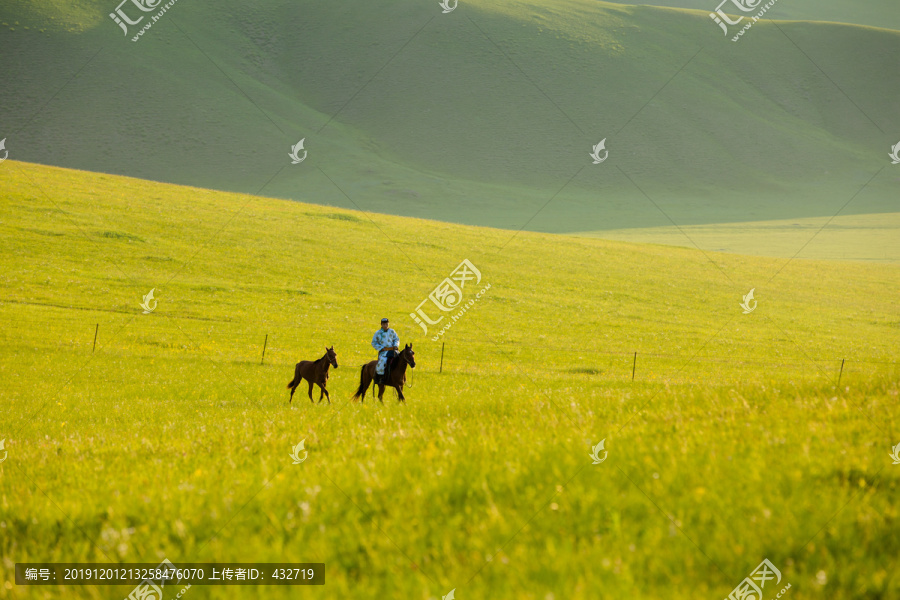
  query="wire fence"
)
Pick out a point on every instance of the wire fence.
point(217, 341)
point(443, 357)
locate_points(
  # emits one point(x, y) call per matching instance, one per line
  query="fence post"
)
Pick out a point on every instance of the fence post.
point(442, 358)
point(96, 331)
point(633, 366)
point(841, 373)
point(266, 341)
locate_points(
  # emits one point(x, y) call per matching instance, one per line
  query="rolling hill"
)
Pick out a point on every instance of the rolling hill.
point(485, 115)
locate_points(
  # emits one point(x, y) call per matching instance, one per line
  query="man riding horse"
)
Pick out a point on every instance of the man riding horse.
point(390, 368)
point(386, 342)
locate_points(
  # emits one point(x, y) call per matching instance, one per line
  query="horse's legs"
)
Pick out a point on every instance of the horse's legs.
point(380, 393)
point(310, 392)
point(293, 389)
point(400, 397)
point(323, 392)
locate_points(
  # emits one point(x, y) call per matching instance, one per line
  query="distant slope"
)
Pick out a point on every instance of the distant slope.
point(874, 13)
point(874, 237)
point(479, 116)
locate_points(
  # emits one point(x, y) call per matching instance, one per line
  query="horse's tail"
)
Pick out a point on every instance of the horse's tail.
point(362, 387)
point(296, 380)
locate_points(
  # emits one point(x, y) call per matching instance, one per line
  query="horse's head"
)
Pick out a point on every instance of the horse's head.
point(332, 356)
point(409, 355)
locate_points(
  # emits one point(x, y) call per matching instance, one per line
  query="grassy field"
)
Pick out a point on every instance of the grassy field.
point(732, 444)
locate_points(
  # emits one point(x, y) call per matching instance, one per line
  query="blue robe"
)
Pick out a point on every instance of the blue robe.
point(381, 339)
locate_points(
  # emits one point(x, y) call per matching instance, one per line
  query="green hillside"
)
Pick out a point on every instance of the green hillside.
point(729, 438)
point(480, 116)
point(874, 13)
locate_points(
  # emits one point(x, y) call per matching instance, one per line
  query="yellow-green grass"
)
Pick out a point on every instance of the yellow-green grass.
point(733, 443)
point(857, 237)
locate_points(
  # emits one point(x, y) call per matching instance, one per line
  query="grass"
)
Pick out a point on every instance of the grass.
point(733, 443)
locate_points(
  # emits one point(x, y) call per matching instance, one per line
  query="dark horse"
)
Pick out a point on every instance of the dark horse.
point(315, 372)
point(396, 378)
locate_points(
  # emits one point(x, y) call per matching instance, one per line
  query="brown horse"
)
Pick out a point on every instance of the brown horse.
point(315, 372)
point(397, 376)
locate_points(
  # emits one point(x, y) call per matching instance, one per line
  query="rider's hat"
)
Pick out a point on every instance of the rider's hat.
point(384, 320)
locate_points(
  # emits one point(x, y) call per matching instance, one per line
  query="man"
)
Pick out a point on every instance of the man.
point(387, 343)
